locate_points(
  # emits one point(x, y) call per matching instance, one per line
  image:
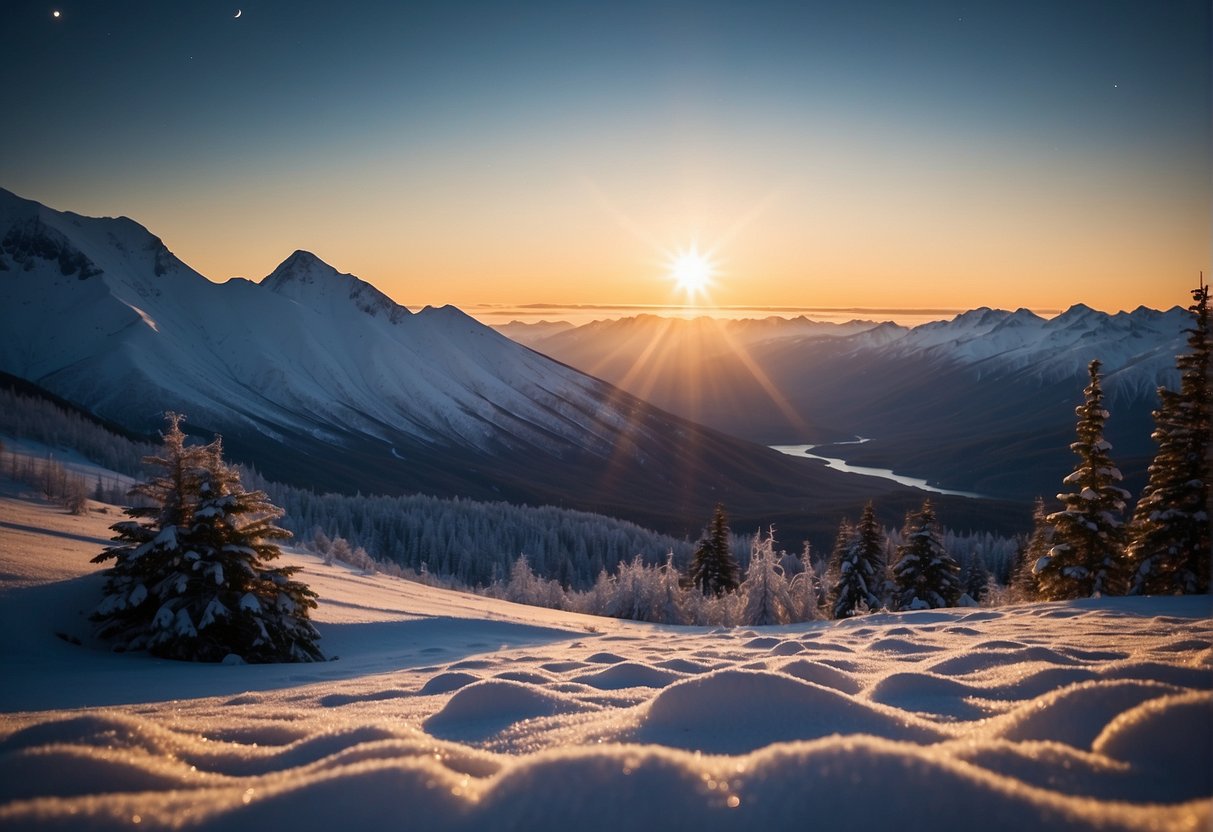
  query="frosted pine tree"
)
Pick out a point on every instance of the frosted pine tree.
point(671, 597)
point(1087, 556)
point(768, 599)
point(150, 552)
point(974, 579)
point(1023, 580)
point(194, 583)
point(925, 575)
point(522, 587)
point(239, 605)
point(1170, 545)
point(872, 546)
point(859, 553)
point(597, 599)
point(806, 589)
point(636, 594)
point(713, 568)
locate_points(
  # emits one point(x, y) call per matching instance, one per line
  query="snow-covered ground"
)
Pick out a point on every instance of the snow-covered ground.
point(448, 711)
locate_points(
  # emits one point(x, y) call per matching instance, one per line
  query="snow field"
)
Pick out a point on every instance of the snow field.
point(449, 711)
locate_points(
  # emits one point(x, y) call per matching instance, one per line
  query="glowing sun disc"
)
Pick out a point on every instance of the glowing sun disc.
point(691, 270)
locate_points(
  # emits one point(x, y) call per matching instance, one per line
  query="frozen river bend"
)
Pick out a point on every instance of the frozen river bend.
point(447, 711)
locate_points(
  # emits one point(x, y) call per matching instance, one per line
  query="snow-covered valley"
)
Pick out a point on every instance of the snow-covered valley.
point(450, 711)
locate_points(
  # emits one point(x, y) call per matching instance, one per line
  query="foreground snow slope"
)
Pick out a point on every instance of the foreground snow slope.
point(447, 711)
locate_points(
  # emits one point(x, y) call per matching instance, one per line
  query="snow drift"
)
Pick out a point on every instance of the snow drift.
point(452, 712)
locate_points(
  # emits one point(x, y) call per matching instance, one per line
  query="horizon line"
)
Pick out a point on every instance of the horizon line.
point(707, 311)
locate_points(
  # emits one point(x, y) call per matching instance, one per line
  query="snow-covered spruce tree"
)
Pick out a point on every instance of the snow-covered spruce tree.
point(1169, 538)
point(1087, 556)
point(843, 542)
point(768, 599)
point(974, 578)
point(713, 568)
point(149, 547)
point(926, 576)
point(860, 566)
point(871, 542)
point(196, 583)
point(239, 603)
point(1023, 580)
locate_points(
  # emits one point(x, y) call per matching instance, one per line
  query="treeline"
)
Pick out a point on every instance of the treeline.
point(765, 585)
point(42, 420)
point(59, 483)
point(474, 543)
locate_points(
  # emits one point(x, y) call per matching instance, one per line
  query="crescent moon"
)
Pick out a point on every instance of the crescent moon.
point(239, 12)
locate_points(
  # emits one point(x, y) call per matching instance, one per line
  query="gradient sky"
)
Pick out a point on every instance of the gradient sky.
point(924, 154)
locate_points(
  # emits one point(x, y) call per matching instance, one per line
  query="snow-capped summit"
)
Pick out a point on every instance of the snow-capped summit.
point(305, 278)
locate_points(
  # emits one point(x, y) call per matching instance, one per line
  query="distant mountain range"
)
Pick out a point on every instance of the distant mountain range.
point(319, 379)
point(983, 402)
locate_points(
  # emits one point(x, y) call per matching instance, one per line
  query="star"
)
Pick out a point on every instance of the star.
point(56, 14)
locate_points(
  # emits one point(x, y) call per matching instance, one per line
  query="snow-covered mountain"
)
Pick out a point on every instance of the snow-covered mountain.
point(983, 401)
point(318, 378)
point(1137, 349)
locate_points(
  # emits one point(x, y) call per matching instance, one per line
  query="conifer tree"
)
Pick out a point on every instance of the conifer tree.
point(859, 551)
point(148, 554)
point(1023, 580)
point(843, 541)
point(1169, 546)
point(872, 547)
point(240, 603)
point(926, 576)
point(974, 577)
point(713, 567)
point(1087, 557)
point(195, 583)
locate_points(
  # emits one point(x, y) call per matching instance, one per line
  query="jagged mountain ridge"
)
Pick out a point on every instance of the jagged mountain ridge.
point(984, 401)
point(319, 379)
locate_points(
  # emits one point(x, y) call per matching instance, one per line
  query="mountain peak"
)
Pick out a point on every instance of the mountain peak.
point(302, 266)
point(305, 278)
point(1078, 310)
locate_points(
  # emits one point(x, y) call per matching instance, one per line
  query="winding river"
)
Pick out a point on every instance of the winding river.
point(884, 473)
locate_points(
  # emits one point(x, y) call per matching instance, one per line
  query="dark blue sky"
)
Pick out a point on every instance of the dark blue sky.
point(509, 151)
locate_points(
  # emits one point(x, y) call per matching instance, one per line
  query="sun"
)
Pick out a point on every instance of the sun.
point(692, 270)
